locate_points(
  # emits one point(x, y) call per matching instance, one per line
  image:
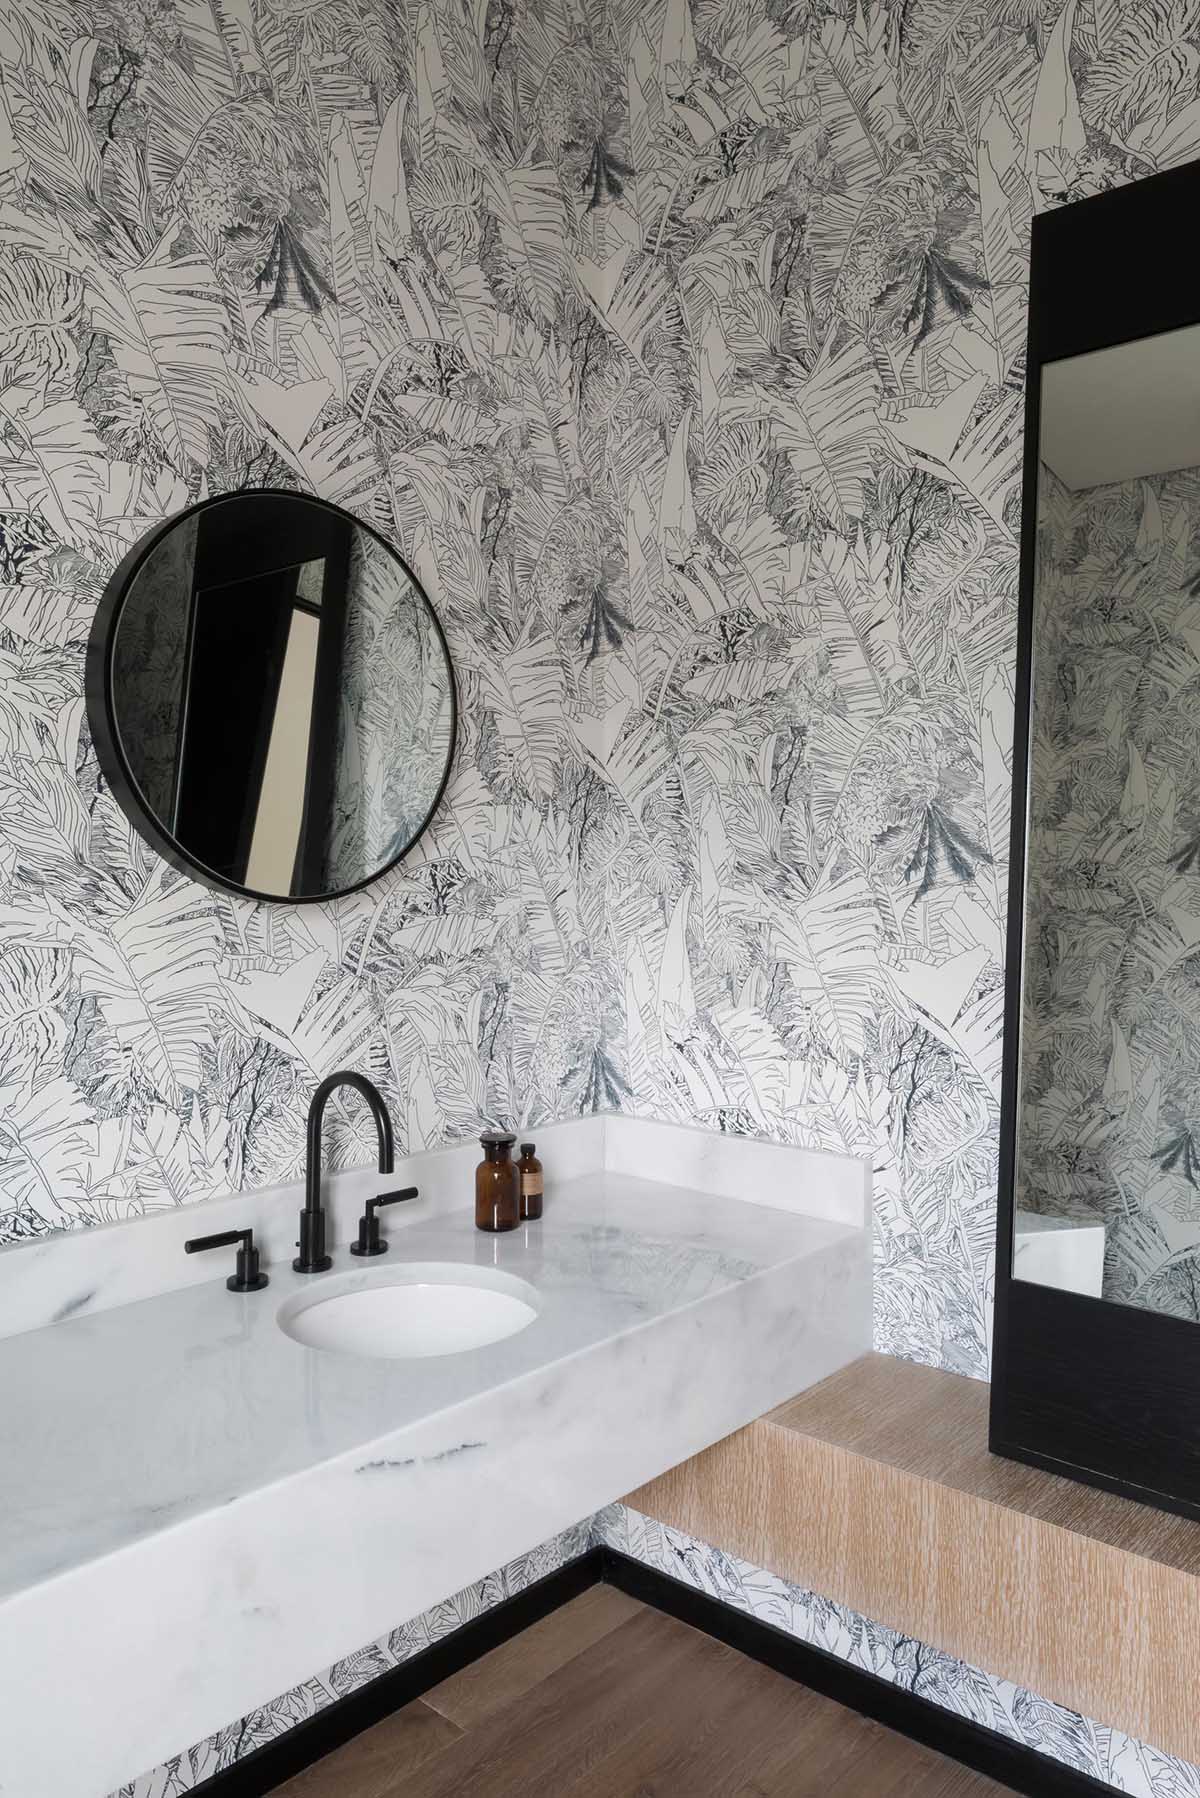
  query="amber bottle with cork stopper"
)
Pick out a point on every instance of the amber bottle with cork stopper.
point(497, 1184)
point(529, 1172)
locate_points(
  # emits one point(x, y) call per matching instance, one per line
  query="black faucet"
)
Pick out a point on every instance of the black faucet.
point(312, 1258)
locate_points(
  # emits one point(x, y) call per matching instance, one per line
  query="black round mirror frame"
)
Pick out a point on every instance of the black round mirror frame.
point(105, 731)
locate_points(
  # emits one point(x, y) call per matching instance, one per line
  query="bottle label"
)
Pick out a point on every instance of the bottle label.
point(532, 1186)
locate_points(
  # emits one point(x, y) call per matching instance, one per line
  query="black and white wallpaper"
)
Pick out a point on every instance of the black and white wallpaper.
point(332, 248)
point(678, 348)
point(1110, 1120)
point(677, 345)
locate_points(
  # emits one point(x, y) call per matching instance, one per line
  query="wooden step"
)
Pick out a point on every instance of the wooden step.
point(876, 1489)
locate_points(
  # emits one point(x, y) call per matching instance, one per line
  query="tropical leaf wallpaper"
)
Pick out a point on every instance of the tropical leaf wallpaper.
point(678, 347)
point(1110, 1120)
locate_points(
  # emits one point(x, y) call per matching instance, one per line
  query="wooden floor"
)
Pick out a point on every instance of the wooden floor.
point(607, 1698)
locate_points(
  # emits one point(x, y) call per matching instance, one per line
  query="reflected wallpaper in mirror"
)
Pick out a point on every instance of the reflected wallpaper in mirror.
point(281, 695)
point(1108, 1170)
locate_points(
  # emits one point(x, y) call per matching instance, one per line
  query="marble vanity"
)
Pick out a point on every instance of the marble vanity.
point(201, 1509)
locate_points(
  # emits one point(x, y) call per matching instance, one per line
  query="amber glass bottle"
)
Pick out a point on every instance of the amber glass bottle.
point(497, 1186)
point(529, 1171)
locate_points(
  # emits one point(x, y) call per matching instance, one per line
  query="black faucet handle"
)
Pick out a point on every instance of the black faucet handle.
point(393, 1198)
point(370, 1242)
point(249, 1277)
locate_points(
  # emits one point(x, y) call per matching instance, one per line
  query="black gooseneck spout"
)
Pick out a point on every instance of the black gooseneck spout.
point(312, 1258)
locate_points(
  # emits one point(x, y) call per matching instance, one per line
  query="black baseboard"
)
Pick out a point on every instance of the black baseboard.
point(264, 1768)
point(1019, 1768)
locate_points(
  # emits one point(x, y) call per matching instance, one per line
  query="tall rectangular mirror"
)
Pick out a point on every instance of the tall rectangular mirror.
point(1097, 1354)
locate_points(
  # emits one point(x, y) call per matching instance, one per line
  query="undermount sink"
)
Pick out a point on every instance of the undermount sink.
point(411, 1311)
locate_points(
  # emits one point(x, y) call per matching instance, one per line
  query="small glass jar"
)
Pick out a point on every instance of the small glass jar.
point(529, 1172)
point(497, 1184)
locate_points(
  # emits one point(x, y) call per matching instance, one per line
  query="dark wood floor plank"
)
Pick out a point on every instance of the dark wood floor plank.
point(838, 1754)
point(569, 1723)
point(805, 1761)
point(503, 1677)
point(380, 1761)
point(718, 1723)
point(882, 1764)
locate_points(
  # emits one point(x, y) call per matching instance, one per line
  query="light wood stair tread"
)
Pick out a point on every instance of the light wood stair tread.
point(876, 1489)
point(934, 1424)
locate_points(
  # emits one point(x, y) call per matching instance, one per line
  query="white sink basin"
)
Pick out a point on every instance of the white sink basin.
point(410, 1311)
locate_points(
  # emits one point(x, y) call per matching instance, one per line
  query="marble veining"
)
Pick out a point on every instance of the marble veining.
point(193, 1563)
point(387, 1463)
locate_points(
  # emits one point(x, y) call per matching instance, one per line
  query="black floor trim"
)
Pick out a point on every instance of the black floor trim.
point(264, 1768)
point(1009, 1763)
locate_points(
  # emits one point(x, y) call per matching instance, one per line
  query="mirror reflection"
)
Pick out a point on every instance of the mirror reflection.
point(281, 696)
point(1108, 1163)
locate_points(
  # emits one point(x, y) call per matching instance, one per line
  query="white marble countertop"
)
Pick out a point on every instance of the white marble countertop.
point(199, 1511)
point(205, 1398)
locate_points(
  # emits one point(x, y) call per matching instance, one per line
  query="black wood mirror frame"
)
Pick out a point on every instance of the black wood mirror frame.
point(106, 735)
point(1105, 1393)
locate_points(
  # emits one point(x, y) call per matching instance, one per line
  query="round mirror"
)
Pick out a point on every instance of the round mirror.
point(271, 696)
